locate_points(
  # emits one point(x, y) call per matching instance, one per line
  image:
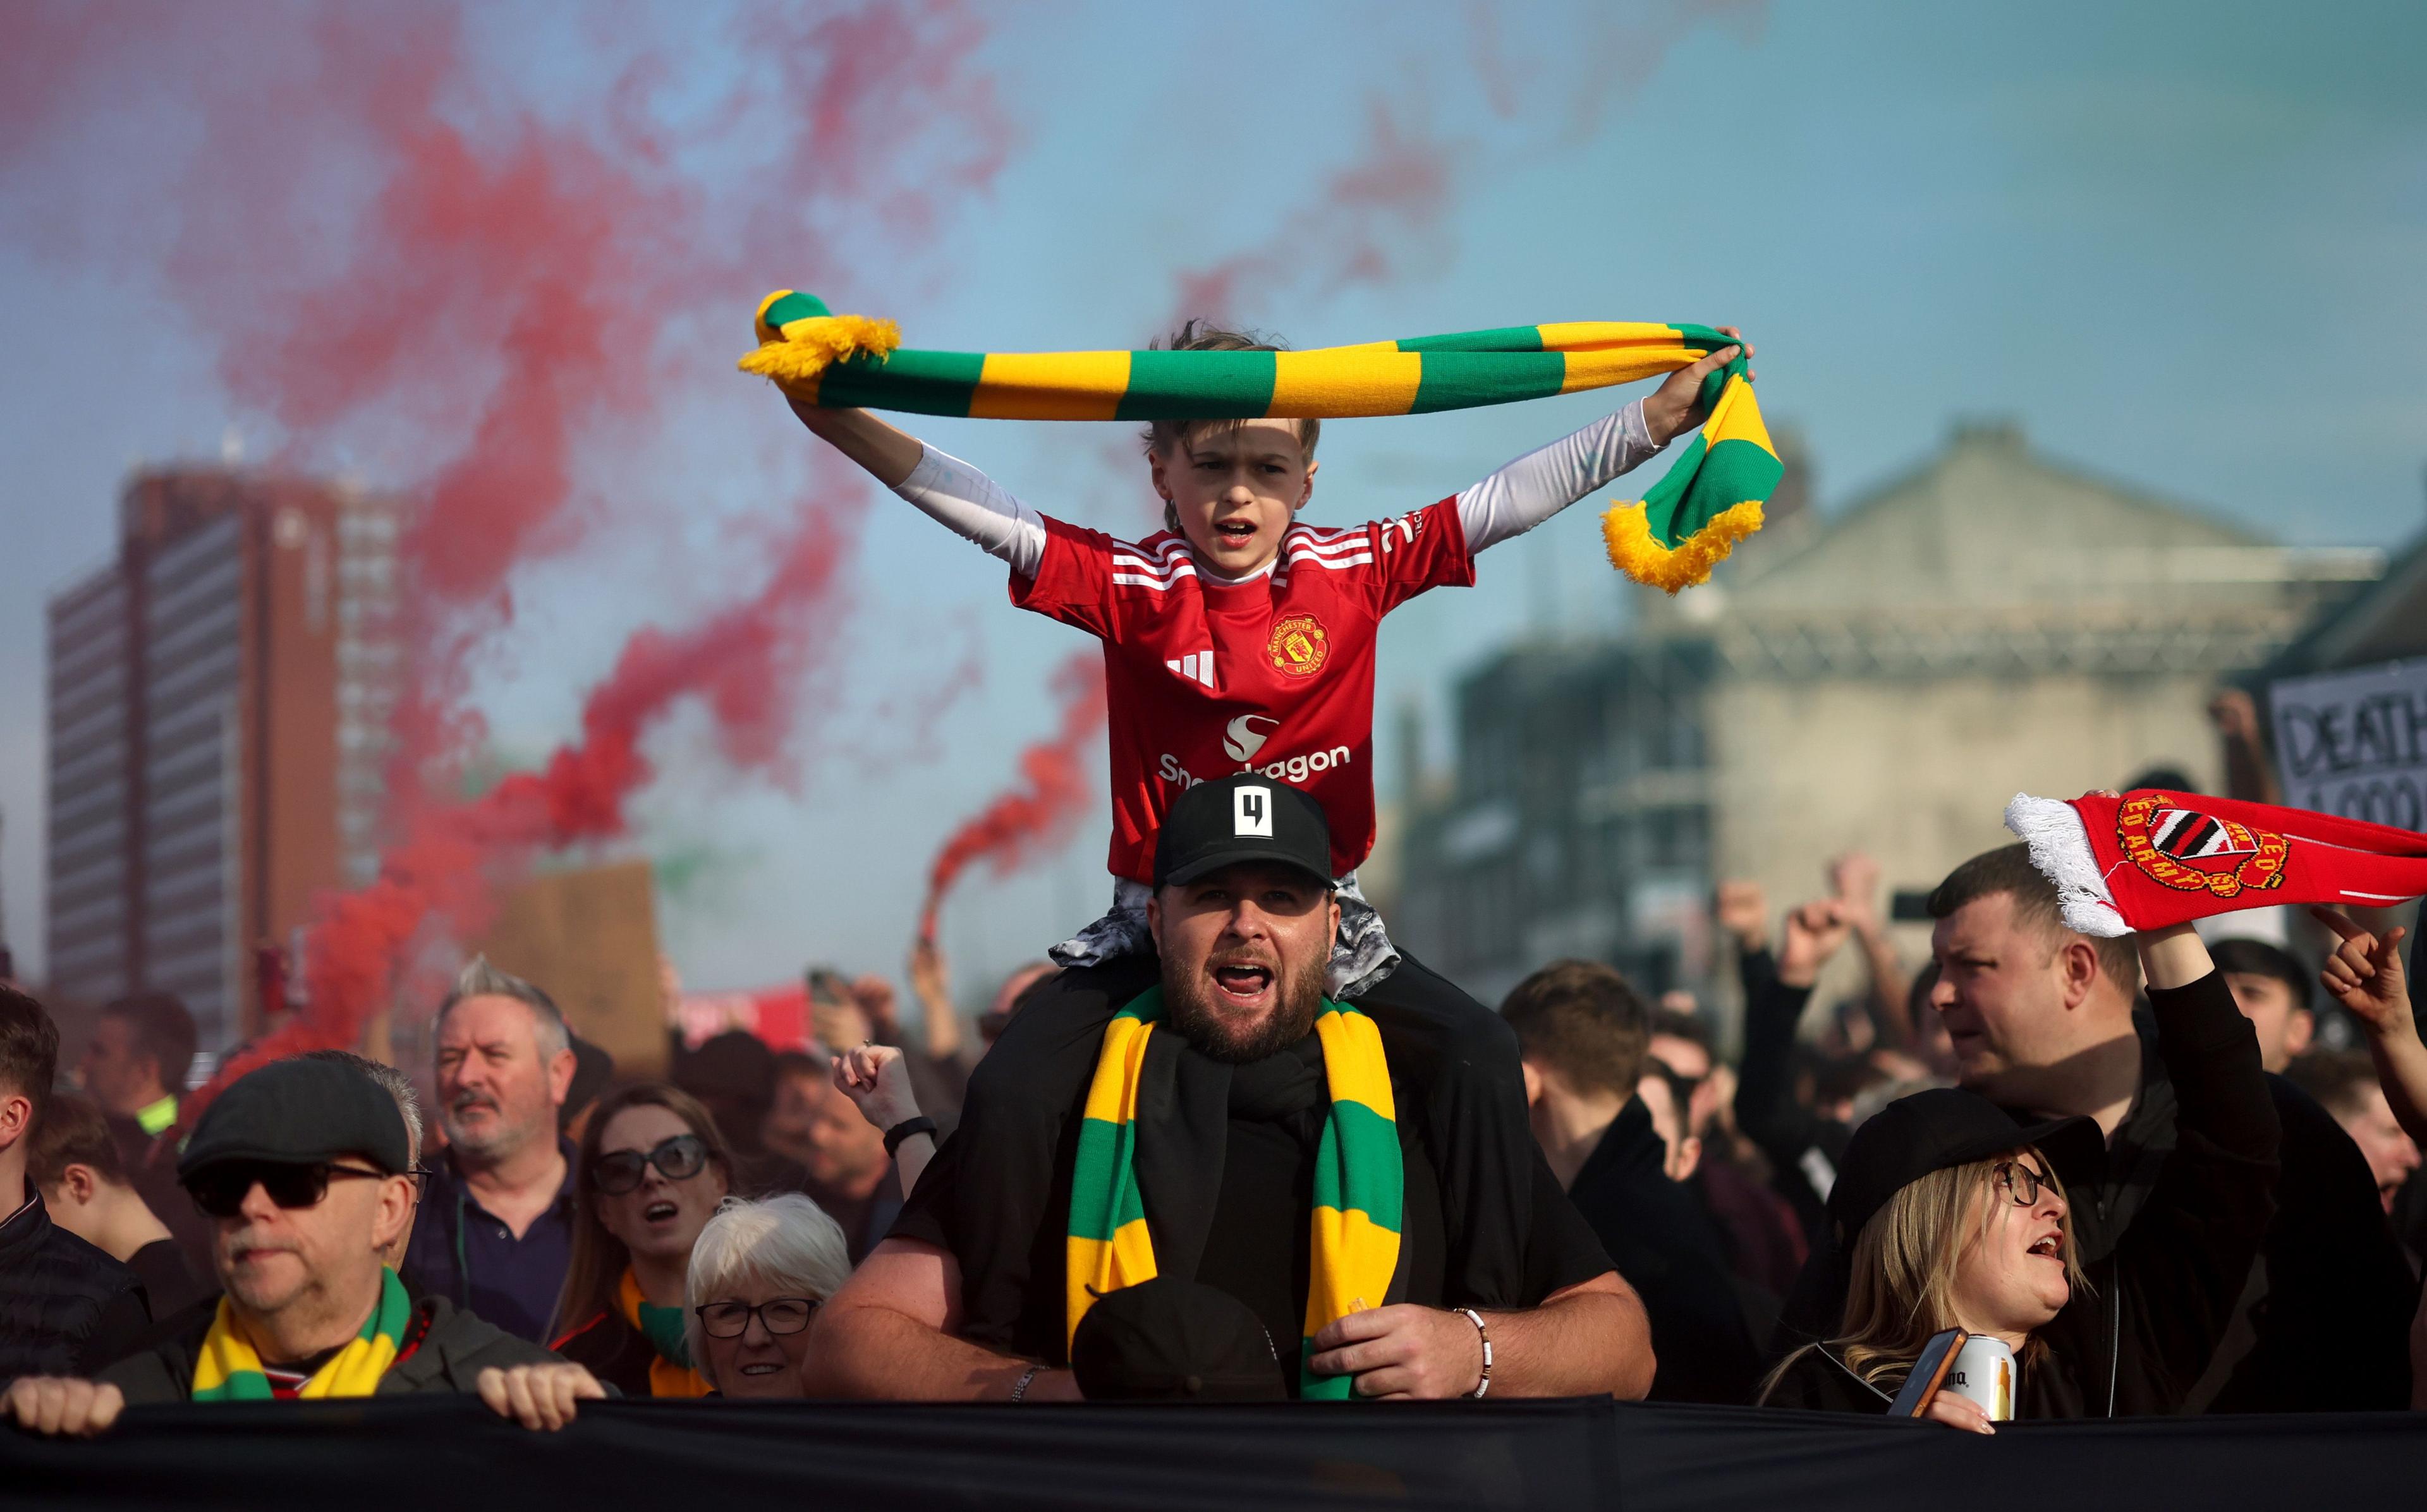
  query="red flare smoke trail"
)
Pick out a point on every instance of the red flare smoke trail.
point(409, 262)
point(1057, 783)
point(744, 662)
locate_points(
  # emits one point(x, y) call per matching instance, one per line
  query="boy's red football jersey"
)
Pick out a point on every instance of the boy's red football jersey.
point(1205, 680)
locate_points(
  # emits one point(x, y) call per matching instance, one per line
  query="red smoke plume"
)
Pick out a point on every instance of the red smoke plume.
point(744, 662)
point(426, 258)
point(1057, 783)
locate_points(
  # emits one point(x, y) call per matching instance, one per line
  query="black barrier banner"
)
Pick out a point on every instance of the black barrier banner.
point(448, 1454)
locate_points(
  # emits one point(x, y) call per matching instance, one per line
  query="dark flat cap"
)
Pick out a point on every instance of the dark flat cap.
point(300, 1113)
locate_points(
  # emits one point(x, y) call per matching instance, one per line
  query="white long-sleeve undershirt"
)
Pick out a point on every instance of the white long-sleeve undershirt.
point(1509, 502)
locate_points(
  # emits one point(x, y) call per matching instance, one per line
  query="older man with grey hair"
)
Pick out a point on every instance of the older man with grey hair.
point(494, 1230)
point(407, 1098)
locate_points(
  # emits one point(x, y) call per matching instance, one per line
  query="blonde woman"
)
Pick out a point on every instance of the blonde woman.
point(1953, 1216)
point(758, 1274)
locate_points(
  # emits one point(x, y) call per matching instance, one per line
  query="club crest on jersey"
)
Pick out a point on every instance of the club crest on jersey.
point(2192, 852)
point(1298, 647)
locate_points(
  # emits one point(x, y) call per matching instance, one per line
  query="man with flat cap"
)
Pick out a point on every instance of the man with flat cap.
point(1225, 1126)
point(302, 1168)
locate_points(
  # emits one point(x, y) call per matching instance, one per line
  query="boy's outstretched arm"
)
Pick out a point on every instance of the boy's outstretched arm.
point(1546, 481)
point(886, 451)
point(950, 491)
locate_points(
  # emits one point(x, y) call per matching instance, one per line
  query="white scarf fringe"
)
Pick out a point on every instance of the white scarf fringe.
point(2061, 849)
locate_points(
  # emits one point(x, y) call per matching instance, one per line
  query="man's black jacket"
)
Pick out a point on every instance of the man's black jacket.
point(2165, 1280)
point(1659, 1237)
point(2322, 1323)
point(66, 1307)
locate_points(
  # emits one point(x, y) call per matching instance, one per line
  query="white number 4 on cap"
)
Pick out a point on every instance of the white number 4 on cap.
point(1252, 811)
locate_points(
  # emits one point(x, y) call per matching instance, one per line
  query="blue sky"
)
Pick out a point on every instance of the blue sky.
point(2180, 243)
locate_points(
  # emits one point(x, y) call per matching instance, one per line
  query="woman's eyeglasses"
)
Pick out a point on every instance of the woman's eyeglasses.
point(678, 1159)
point(2021, 1182)
point(732, 1319)
point(219, 1189)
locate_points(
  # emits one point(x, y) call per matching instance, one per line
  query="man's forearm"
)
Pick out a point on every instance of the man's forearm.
point(879, 1355)
point(1588, 1341)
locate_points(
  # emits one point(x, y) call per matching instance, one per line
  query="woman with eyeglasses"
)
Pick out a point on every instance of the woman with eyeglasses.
point(653, 1169)
point(1950, 1214)
point(758, 1274)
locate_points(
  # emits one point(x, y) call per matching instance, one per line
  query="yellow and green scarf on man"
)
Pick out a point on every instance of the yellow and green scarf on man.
point(230, 1369)
point(1672, 538)
point(1359, 1183)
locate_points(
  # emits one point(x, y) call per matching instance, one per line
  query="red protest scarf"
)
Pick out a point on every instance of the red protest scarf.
point(2150, 858)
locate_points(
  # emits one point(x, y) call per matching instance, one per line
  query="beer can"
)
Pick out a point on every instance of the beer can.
point(1983, 1372)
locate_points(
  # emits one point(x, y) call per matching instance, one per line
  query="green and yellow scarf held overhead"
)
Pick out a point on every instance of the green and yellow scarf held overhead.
point(1358, 1179)
point(1690, 521)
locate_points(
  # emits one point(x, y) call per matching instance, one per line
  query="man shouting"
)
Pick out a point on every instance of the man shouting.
point(1219, 1153)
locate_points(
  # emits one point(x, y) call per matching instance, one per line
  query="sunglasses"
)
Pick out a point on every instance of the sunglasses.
point(220, 1190)
point(732, 1319)
point(678, 1159)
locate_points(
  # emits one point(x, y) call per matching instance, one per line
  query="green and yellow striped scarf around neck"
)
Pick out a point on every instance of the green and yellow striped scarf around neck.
point(1358, 1180)
point(229, 1369)
point(1692, 518)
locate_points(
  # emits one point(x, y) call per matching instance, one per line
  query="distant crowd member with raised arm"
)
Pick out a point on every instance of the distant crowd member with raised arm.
point(495, 1229)
point(65, 1305)
point(844, 1167)
point(1803, 1145)
point(1195, 1168)
point(300, 1167)
point(1854, 884)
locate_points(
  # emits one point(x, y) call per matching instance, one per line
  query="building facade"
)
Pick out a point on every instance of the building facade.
point(1883, 678)
point(218, 698)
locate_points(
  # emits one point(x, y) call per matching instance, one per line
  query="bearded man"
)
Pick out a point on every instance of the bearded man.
point(1211, 1185)
point(494, 1233)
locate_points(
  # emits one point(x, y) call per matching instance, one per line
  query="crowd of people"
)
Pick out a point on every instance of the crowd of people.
point(2129, 1160)
point(1230, 1142)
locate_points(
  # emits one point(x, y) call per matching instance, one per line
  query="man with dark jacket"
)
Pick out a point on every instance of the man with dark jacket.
point(1583, 1031)
point(64, 1305)
point(2043, 1025)
point(302, 1167)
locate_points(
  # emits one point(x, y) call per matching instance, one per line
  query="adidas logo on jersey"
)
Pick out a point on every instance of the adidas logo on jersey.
point(1197, 667)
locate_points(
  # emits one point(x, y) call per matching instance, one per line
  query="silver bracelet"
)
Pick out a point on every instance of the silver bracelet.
point(1484, 1384)
point(1020, 1388)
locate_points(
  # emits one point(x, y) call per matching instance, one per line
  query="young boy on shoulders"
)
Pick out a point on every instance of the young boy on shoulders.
point(1239, 639)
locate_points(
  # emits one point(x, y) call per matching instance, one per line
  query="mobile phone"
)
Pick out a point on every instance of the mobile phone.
point(1929, 1374)
point(1908, 906)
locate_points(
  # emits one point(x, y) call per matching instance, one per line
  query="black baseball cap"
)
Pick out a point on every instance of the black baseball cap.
point(1247, 818)
point(1167, 1340)
point(299, 1112)
point(1944, 1126)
